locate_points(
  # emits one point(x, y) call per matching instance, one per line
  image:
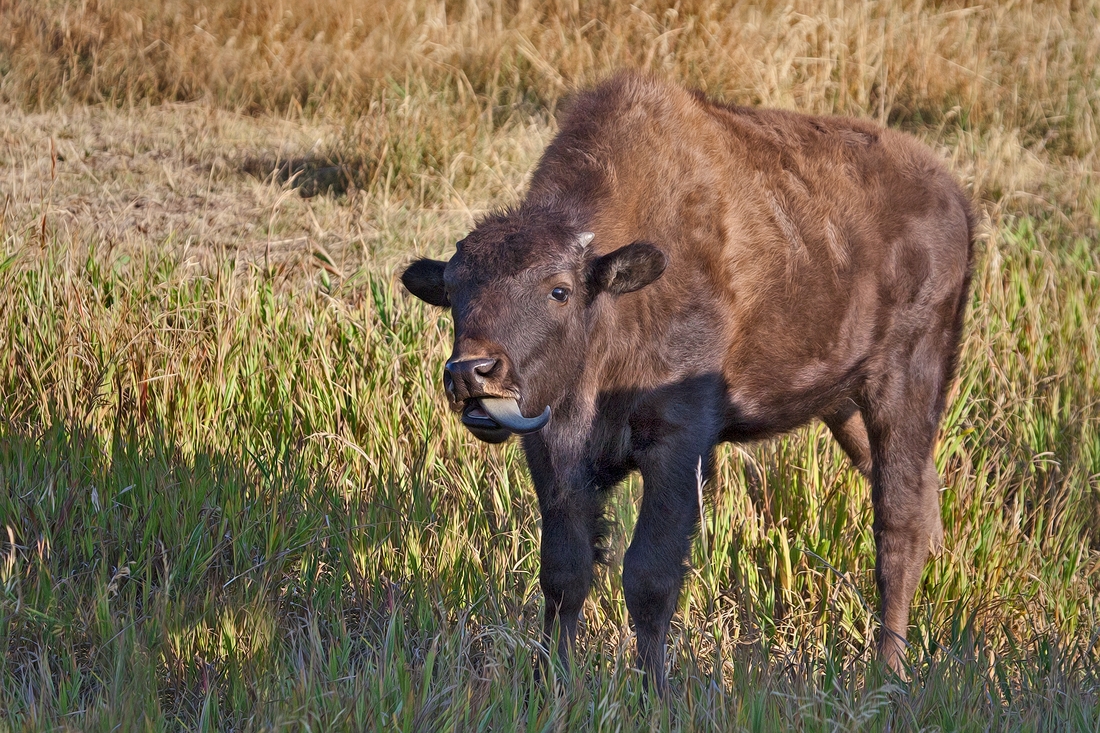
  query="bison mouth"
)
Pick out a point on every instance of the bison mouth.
point(494, 419)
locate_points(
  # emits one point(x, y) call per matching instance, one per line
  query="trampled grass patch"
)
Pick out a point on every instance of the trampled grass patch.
point(233, 498)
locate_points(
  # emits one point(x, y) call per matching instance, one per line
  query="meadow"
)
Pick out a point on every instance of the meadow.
point(231, 494)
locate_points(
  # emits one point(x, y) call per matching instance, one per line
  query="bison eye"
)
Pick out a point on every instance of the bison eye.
point(560, 294)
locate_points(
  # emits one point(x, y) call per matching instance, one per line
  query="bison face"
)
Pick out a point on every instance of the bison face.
point(523, 300)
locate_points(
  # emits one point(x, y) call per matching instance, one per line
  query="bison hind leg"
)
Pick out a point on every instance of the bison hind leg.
point(931, 495)
point(846, 425)
point(902, 417)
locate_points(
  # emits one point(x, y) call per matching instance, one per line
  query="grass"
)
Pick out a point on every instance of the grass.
point(233, 499)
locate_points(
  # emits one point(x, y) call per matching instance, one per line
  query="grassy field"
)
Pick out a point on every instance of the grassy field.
point(231, 497)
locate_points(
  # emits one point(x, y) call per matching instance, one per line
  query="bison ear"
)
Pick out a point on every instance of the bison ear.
point(424, 279)
point(628, 268)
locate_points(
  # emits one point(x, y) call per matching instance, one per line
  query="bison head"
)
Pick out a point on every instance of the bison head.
point(523, 290)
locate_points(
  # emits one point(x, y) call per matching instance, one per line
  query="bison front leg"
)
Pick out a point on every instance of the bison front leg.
point(571, 505)
point(655, 563)
point(570, 530)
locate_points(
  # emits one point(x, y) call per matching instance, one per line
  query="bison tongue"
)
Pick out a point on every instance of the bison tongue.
point(505, 411)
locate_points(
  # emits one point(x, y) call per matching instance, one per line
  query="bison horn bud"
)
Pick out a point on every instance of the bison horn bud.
point(585, 238)
point(505, 412)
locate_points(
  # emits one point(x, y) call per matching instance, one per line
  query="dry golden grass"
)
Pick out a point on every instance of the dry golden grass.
point(1008, 88)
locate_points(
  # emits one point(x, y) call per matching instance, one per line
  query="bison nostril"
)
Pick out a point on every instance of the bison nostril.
point(485, 367)
point(467, 378)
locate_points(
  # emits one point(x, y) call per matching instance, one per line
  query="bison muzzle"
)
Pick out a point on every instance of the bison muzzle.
point(682, 273)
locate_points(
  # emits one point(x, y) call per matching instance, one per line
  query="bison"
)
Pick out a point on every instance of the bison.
point(684, 272)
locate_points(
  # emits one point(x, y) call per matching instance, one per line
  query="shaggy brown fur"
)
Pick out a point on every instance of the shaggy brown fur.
point(750, 270)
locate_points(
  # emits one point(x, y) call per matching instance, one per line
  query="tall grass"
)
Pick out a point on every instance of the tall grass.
point(232, 497)
point(239, 505)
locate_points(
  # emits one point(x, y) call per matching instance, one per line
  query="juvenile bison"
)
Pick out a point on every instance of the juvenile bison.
point(684, 272)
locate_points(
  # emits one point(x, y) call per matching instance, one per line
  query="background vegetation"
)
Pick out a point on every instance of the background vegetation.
point(231, 497)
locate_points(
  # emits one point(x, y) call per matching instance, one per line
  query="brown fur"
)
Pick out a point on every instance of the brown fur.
point(812, 267)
